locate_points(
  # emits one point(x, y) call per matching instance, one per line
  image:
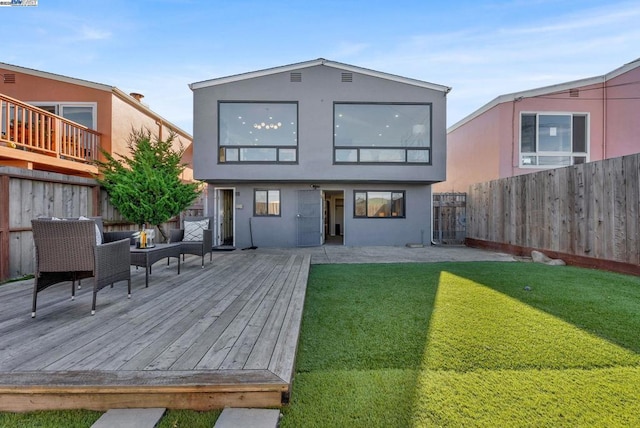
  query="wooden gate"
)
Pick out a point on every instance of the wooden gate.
point(449, 218)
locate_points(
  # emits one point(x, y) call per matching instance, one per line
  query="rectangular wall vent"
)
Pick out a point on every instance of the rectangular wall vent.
point(347, 77)
point(574, 92)
point(10, 78)
point(296, 76)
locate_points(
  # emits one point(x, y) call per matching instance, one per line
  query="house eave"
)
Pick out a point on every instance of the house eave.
point(314, 63)
point(58, 77)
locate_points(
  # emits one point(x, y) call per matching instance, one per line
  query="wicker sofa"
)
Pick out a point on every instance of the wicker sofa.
point(198, 245)
point(68, 251)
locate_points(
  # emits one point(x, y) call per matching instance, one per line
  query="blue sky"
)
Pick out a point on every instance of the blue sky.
point(480, 48)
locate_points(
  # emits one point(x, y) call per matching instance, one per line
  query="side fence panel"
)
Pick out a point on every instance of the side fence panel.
point(589, 211)
point(27, 194)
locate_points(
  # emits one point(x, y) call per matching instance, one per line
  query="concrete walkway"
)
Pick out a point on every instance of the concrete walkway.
point(430, 253)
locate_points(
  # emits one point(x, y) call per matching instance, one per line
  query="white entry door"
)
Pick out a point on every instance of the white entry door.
point(225, 217)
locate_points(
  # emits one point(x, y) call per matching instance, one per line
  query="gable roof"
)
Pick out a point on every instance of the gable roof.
point(99, 86)
point(546, 90)
point(313, 63)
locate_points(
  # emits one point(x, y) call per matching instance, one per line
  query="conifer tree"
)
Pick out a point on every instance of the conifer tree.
point(145, 186)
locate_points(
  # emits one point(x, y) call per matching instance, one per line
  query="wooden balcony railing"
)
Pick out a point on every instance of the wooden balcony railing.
point(30, 128)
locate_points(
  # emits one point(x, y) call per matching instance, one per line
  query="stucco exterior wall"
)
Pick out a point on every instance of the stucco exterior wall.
point(316, 93)
point(281, 231)
point(623, 115)
point(127, 117)
point(473, 153)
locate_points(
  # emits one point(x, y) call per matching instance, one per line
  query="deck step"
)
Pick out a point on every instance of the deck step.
point(254, 418)
point(130, 418)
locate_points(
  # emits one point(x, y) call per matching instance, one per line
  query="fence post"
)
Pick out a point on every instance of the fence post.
point(4, 227)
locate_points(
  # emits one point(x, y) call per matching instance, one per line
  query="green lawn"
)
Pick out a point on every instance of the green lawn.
point(453, 344)
point(465, 344)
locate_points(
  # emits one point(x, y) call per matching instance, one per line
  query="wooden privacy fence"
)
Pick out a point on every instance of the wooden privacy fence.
point(589, 211)
point(449, 218)
point(27, 194)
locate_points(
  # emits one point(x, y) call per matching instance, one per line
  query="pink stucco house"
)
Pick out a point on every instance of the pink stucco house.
point(569, 123)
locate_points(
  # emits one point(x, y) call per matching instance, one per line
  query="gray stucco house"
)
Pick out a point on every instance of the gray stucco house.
point(319, 152)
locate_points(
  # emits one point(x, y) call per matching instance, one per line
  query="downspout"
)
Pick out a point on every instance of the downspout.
point(432, 220)
point(604, 118)
point(514, 164)
point(159, 123)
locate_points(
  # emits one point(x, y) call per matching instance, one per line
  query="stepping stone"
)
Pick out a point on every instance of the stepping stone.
point(130, 418)
point(254, 418)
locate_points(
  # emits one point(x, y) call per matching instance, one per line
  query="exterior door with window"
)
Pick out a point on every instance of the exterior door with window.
point(309, 218)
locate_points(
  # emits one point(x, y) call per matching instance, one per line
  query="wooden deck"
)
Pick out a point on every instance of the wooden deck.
point(225, 335)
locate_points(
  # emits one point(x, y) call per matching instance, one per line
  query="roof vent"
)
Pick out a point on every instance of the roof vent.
point(137, 96)
point(10, 78)
point(296, 76)
point(574, 92)
point(347, 77)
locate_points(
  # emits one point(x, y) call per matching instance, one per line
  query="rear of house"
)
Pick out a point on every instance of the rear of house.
point(319, 152)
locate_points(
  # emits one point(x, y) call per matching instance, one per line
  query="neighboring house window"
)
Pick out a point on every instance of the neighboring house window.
point(549, 140)
point(382, 133)
point(258, 132)
point(376, 204)
point(82, 113)
point(266, 202)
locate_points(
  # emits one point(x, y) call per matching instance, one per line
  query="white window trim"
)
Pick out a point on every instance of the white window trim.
point(522, 154)
point(60, 104)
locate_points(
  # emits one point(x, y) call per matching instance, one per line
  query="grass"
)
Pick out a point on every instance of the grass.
point(465, 344)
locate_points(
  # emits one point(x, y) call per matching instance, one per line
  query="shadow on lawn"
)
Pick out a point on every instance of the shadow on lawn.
point(369, 328)
point(602, 303)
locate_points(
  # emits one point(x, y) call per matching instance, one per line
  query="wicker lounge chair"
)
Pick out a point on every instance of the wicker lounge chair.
point(200, 245)
point(67, 251)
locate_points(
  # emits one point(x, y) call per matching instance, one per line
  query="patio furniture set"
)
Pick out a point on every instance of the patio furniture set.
point(73, 249)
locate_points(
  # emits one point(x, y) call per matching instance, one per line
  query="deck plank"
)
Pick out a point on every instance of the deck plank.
point(262, 351)
point(239, 353)
point(213, 335)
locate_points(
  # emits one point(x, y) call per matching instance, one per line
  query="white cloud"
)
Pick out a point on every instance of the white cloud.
point(88, 33)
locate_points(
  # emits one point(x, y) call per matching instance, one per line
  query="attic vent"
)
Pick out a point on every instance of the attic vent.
point(347, 77)
point(296, 76)
point(10, 78)
point(574, 93)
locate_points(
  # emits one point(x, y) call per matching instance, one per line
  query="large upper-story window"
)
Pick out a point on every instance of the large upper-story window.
point(549, 140)
point(382, 133)
point(258, 132)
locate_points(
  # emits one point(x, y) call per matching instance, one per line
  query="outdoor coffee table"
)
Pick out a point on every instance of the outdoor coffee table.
point(145, 257)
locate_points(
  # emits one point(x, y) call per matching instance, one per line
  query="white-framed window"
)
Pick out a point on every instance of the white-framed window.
point(551, 140)
point(78, 112)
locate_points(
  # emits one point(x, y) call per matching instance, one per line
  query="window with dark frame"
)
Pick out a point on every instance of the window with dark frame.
point(258, 132)
point(378, 204)
point(382, 133)
point(550, 140)
point(266, 203)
